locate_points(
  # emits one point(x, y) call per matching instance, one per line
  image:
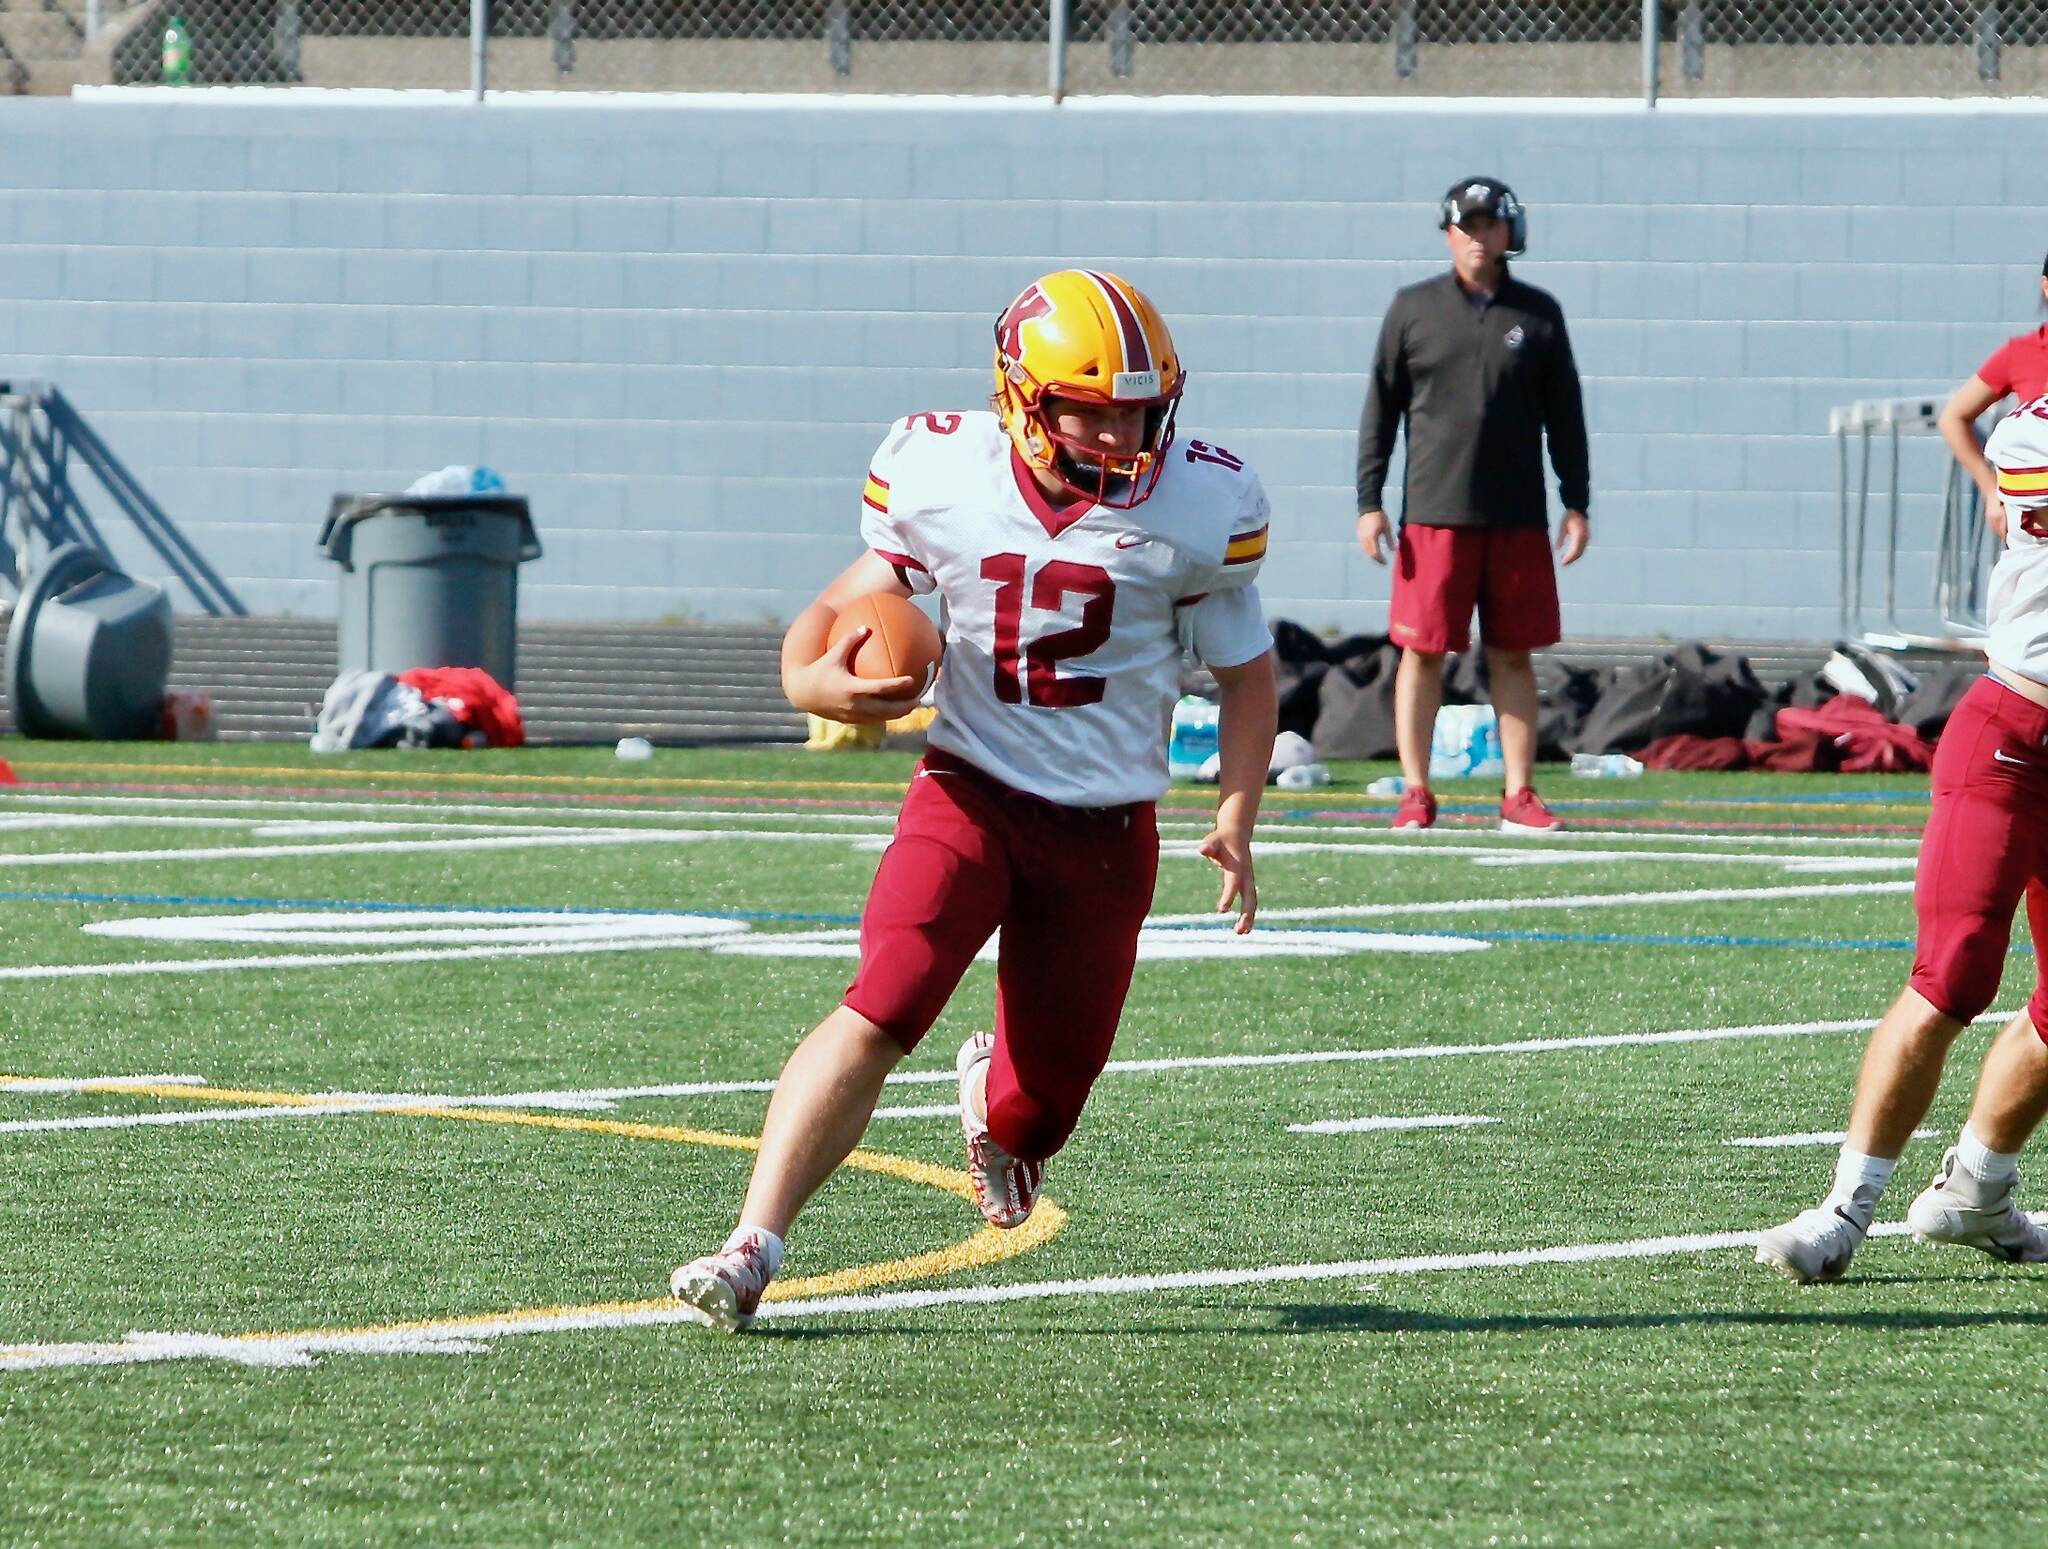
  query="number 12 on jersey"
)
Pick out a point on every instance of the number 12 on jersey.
point(1049, 589)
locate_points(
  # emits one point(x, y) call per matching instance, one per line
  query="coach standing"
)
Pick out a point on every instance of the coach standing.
point(1480, 366)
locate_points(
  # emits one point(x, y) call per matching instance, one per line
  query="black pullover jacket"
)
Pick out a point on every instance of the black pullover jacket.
point(1480, 387)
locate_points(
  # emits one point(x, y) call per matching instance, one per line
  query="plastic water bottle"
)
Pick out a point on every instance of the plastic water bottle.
point(1387, 785)
point(1193, 738)
point(177, 53)
point(1303, 777)
point(1605, 766)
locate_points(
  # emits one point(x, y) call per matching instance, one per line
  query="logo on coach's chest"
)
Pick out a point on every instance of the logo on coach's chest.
point(1513, 337)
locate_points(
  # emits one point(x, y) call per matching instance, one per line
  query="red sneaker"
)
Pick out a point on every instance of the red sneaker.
point(1524, 813)
point(1417, 809)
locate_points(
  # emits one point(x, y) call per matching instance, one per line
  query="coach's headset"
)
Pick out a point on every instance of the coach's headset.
point(1490, 196)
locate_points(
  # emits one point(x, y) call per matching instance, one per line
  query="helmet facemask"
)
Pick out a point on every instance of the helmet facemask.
point(1090, 472)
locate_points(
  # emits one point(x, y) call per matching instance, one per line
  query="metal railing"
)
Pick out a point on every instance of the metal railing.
point(1964, 546)
point(1616, 48)
point(41, 435)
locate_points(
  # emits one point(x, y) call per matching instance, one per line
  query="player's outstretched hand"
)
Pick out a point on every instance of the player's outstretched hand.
point(830, 687)
point(1234, 857)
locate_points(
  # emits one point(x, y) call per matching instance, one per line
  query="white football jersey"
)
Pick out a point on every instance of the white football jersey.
point(2017, 609)
point(1065, 626)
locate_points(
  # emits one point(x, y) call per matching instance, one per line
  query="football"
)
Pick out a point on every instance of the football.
point(901, 643)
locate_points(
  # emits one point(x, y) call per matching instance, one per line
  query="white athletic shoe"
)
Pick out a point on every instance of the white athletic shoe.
point(1004, 1187)
point(722, 1289)
point(1813, 1246)
point(1962, 1209)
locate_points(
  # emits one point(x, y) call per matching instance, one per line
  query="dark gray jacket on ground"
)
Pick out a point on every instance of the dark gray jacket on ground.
point(1480, 388)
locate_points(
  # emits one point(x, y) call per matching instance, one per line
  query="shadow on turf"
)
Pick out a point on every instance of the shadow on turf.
point(1396, 1320)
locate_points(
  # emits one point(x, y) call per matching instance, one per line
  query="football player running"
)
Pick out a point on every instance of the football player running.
point(1986, 844)
point(1079, 546)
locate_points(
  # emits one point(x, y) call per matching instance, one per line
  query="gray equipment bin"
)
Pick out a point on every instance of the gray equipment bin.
point(430, 580)
point(88, 650)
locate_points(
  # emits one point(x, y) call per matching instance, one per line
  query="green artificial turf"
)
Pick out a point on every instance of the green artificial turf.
point(1677, 1398)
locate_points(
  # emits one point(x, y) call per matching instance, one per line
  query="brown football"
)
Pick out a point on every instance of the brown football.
point(901, 642)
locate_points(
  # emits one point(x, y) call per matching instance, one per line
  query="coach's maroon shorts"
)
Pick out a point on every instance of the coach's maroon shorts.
point(1986, 844)
point(1442, 573)
point(1069, 886)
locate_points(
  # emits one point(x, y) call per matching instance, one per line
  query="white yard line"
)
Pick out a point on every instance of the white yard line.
point(320, 1104)
point(1815, 1138)
point(10, 1084)
point(462, 809)
point(1536, 855)
point(483, 837)
point(1631, 900)
point(1272, 831)
point(1361, 1126)
point(929, 1111)
point(1441, 840)
point(471, 1336)
point(200, 965)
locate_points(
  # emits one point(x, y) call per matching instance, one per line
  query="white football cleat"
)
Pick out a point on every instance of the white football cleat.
point(1005, 1187)
point(1813, 1246)
point(722, 1290)
point(1962, 1209)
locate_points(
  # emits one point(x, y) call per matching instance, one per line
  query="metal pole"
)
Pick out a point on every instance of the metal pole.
point(479, 39)
point(1649, 53)
point(92, 19)
point(1056, 63)
point(1842, 464)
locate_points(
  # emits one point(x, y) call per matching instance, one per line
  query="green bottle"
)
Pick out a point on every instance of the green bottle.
point(177, 53)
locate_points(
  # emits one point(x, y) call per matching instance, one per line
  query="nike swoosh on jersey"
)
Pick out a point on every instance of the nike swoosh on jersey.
point(1125, 540)
point(2001, 755)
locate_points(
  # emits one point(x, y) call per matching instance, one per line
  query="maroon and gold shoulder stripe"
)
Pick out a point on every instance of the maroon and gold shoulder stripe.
point(2023, 483)
point(876, 494)
point(1246, 547)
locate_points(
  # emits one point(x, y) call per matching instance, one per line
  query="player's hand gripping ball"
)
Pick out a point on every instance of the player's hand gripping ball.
point(901, 642)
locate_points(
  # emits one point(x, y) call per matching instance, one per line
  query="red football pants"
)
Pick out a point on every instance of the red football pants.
point(1069, 887)
point(1986, 844)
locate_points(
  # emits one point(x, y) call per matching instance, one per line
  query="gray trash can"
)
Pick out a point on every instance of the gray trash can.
point(88, 650)
point(430, 580)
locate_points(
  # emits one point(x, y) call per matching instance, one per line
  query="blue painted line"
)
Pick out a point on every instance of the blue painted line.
point(802, 917)
point(369, 906)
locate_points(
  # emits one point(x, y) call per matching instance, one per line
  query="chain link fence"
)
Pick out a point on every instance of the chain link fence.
point(1465, 48)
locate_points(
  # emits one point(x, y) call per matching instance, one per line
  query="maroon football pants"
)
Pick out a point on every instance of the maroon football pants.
point(1068, 886)
point(1986, 845)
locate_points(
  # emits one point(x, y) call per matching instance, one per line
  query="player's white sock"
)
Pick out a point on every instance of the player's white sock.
point(769, 1244)
point(1983, 1163)
point(1859, 1183)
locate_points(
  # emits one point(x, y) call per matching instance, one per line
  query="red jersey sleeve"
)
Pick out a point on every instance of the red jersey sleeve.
point(1997, 371)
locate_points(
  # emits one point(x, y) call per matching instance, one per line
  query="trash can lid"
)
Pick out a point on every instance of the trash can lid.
point(347, 510)
point(67, 566)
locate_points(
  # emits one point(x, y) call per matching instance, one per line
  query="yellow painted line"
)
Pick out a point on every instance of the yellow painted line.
point(987, 1246)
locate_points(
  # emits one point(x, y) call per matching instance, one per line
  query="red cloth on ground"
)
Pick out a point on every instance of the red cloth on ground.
point(1846, 733)
point(474, 698)
point(1685, 751)
point(1857, 737)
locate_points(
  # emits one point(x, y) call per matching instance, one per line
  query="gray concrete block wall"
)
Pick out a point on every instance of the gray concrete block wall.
point(681, 326)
